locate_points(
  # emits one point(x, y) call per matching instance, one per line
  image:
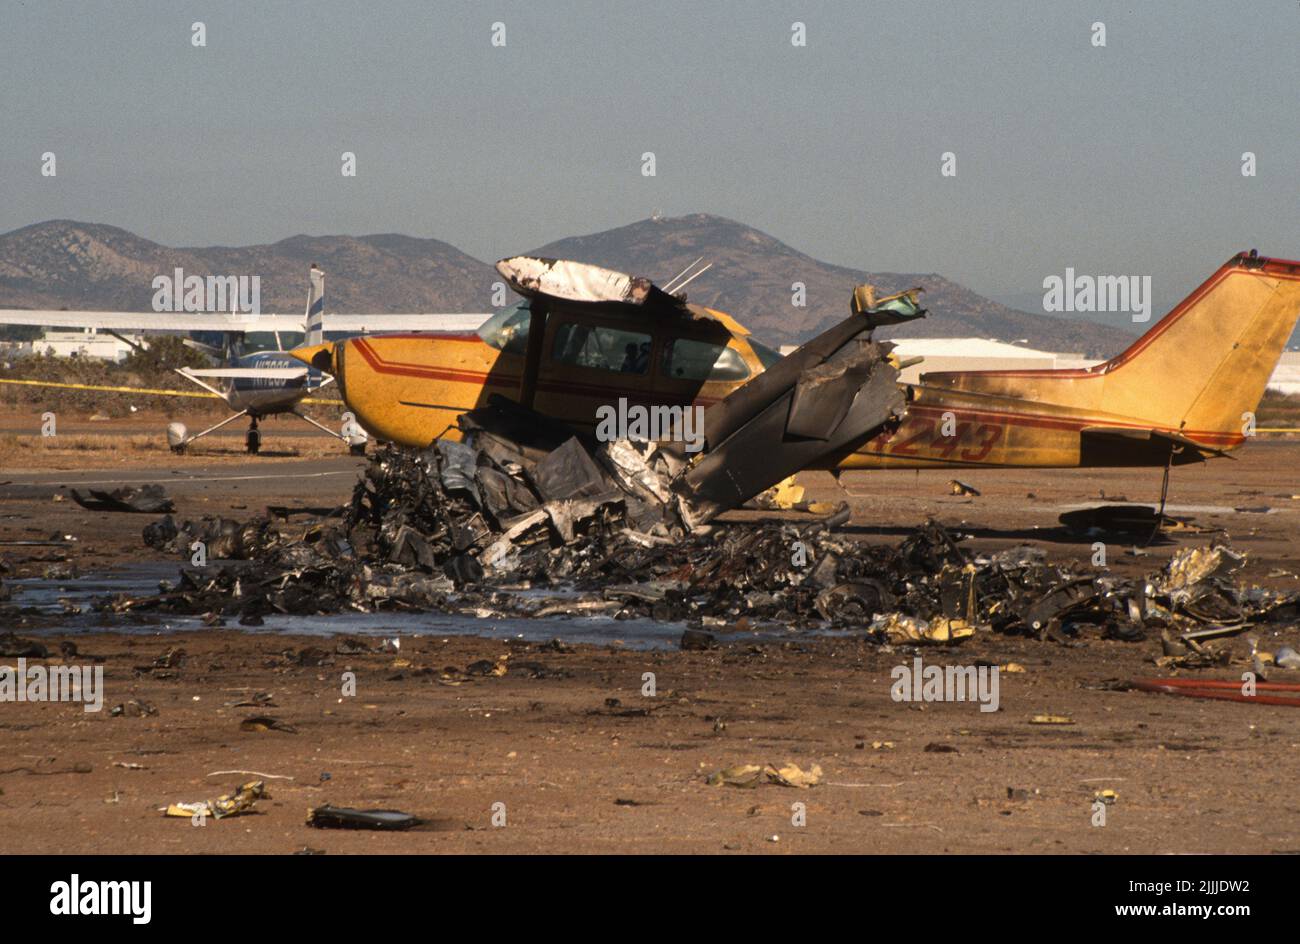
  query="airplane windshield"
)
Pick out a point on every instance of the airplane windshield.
point(255, 341)
point(507, 330)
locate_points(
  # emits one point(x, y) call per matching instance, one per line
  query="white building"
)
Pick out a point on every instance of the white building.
point(939, 354)
point(942, 354)
point(84, 343)
point(1286, 376)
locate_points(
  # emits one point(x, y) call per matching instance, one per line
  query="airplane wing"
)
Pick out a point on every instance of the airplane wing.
point(240, 373)
point(152, 322)
point(376, 324)
point(236, 322)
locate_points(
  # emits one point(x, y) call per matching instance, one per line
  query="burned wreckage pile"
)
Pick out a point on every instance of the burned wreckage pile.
point(625, 529)
point(462, 527)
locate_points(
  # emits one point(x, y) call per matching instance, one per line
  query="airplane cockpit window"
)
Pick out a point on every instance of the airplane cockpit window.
point(255, 341)
point(507, 330)
point(604, 348)
point(685, 359)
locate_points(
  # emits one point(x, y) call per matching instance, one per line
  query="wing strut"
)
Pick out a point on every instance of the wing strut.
point(179, 447)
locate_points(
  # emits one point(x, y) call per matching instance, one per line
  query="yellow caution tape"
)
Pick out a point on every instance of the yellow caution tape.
point(145, 390)
point(104, 389)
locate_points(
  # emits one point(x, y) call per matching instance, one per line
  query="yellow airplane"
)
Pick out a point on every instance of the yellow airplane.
point(584, 337)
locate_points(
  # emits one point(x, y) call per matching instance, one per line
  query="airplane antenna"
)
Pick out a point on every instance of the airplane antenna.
point(683, 285)
point(668, 287)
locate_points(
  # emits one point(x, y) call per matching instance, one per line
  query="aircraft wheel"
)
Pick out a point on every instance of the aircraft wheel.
point(253, 441)
point(358, 450)
point(179, 449)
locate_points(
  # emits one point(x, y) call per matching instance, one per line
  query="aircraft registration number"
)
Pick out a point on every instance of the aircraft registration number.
point(968, 442)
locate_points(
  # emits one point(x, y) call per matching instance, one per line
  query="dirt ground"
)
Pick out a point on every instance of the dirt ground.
point(141, 440)
point(584, 762)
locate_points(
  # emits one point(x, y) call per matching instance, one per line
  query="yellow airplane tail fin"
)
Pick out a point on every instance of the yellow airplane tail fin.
point(1197, 372)
point(1202, 369)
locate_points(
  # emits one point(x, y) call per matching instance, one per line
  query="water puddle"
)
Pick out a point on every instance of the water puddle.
point(57, 602)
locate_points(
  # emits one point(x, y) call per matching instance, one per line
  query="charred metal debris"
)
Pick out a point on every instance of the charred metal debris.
point(144, 499)
point(464, 528)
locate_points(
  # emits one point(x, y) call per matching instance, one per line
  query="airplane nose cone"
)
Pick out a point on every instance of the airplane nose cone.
point(330, 358)
point(319, 356)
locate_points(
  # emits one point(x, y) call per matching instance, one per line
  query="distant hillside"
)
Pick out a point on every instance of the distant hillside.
point(1032, 302)
point(752, 274)
point(66, 264)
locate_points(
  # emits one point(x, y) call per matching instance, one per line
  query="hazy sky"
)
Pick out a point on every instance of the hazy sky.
point(1118, 160)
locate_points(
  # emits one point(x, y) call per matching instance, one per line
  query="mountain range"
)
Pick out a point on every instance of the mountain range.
point(67, 264)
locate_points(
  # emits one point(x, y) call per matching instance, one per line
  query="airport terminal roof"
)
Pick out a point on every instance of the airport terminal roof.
point(966, 347)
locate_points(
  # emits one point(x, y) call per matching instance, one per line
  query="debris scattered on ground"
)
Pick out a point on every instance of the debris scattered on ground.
point(961, 488)
point(222, 538)
point(697, 639)
point(232, 804)
point(786, 494)
point(751, 775)
point(1287, 658)
point(341, 817)
point(1051, 719)
point(12, 646)
point(135, 708)
point(593, 530)
point(165, 666)
point(144, 499)
point(488, 667)
point(254, 773)
point(352, 646)
point(903, 630)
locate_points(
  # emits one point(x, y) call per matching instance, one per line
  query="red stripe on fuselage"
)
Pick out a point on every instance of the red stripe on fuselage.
point(1047, 421)
point(486, 378)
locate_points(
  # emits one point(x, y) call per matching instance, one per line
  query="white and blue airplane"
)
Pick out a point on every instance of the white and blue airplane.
point(255, 375)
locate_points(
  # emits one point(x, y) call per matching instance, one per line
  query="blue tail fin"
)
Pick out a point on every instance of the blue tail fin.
point(315, 324)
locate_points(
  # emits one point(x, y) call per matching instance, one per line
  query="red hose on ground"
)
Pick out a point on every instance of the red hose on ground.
point(1222, 689)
